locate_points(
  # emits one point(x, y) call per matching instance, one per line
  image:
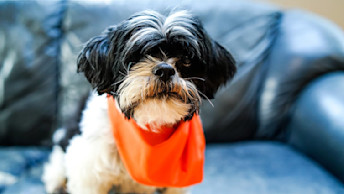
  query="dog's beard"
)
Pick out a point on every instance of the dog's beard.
point(150, 101)
point(107, 59)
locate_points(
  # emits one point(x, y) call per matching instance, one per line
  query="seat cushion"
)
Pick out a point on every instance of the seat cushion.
point(21, 169)
point(247, 167)
point(263, 167)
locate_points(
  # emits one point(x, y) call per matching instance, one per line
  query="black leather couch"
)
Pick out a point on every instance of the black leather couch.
point(278, 127)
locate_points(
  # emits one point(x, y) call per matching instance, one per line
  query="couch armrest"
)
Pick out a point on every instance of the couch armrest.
point(307, 47)
point(317, 123)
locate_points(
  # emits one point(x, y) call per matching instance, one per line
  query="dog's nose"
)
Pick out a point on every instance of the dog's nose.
point(164, 71)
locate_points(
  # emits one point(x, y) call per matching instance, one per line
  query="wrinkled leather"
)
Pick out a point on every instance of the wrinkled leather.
point(249, 38)
point(278, 54)
point(30, 34)
point(240, 168)
point(317, 125)
point(293, 64)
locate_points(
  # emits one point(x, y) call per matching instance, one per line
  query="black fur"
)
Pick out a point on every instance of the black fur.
point(106, 58)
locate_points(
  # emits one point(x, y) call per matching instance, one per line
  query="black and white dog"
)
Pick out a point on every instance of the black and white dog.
point(158, 68)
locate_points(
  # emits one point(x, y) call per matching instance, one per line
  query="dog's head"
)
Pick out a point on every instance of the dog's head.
point(152, 63)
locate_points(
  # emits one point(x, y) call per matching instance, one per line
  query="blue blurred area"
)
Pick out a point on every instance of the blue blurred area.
point(283, 109)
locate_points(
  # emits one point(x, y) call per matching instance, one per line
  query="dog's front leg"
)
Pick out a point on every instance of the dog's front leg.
point(91, 165)
point(171, 190)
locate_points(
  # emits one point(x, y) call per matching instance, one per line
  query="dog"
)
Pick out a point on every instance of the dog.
point(158, 69)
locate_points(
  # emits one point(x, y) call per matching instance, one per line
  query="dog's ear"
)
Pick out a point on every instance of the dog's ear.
point(94, 61)
point(221, 68)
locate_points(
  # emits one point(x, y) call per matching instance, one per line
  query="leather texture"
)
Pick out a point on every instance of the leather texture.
point(288, 88)
point(29, 70)
point(248, 37)
point(262, 168)
point(317, 125)
point(302, 53)
point(241, 168)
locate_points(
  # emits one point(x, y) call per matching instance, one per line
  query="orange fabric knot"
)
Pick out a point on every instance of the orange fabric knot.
point(173, 157)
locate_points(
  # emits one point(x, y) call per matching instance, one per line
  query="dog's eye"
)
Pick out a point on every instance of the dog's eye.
point(184, 62)
point(187, 64)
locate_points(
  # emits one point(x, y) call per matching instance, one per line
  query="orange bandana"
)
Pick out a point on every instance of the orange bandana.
point(173, 158)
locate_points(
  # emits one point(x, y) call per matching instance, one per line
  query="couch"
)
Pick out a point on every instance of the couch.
point(277, 127)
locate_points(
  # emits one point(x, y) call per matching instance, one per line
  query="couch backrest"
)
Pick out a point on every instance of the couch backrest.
point(40, 41)
point(246, 29)
point(30, 38)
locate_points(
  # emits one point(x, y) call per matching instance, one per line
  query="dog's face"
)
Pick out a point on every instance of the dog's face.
point(158, 68)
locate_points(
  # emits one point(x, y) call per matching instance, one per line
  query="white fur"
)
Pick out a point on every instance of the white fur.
point(54, 175)
point(58, 135)
point(160, 112)
point(92, 162)
point(178, 23)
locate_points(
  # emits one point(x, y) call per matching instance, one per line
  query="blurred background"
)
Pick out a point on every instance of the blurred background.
point(277, 127)
point(330, 9)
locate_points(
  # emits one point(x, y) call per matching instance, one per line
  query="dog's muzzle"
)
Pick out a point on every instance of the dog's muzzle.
point(164, 71)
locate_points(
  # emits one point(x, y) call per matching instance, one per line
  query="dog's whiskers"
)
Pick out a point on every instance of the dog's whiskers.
point(198, 78)
point(118, 81)
point(129, 66)
point(122, 73)
point(206, 98)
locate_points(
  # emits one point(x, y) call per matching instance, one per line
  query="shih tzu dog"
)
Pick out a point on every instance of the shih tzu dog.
point(158, 69)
